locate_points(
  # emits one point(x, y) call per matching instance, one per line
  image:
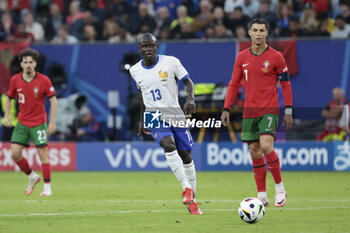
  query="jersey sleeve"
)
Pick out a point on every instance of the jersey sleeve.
point(49, 89)
point(131, 71)
point(281, 65)
point(283, 77)
point(234, 83)
point(11, 93)
point(180, 71)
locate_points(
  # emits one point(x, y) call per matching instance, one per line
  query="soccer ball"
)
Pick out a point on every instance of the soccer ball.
point(251, 210)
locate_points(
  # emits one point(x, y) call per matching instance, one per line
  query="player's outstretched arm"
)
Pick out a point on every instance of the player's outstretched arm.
point(190, 105)
point(53, 110)
point(142, 130)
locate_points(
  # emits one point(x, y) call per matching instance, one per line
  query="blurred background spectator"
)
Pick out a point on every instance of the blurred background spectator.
point(33, 27)
point(53, 22)
point(203, 19)
point(342, 30)
point(21, 35)
point(63, 37)
point(7, 27)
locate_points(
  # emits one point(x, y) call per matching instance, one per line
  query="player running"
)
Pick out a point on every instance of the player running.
point(261, 67)
point(156, 76)
point(31, 88)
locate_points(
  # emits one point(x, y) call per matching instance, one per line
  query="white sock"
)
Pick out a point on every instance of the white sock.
point(190, 173)
point(47, 186)
point(176, 165)
point(279, 186)
point(262, 194)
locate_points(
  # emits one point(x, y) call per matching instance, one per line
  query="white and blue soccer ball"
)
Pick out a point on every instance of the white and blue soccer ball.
point(251, 210)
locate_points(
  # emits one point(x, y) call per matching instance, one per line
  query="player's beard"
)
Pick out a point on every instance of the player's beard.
point(29, 72)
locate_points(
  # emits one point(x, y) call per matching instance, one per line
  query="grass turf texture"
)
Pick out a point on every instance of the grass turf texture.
point(141, 202)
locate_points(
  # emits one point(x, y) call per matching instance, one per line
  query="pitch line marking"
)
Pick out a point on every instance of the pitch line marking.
point(165, 201)
point(154, 211)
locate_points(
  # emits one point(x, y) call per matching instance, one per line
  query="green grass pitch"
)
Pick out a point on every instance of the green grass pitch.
point(142, 202)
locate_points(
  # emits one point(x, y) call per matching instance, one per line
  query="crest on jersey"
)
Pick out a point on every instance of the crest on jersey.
point(266, 66)
point(36, 90)
point(163, 75)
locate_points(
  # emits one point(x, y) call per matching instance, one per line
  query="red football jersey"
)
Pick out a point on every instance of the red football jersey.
point(260, 77)
point(31, 98)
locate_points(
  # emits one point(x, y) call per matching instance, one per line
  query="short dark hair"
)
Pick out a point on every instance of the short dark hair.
point(341, 17)
point(146, 36)
point(29, 53)
point(259, 21)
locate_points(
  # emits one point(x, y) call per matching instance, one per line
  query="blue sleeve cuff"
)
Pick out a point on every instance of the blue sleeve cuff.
point(185, 77)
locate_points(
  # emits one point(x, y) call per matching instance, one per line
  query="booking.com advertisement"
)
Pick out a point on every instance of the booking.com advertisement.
point(148, 156)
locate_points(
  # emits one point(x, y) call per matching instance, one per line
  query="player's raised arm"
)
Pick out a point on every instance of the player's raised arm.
point(190, 105)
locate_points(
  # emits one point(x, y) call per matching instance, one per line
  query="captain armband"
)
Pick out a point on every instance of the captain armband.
point(283, 76)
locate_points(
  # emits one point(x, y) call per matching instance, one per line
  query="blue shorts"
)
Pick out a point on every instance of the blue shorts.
point(182, 136)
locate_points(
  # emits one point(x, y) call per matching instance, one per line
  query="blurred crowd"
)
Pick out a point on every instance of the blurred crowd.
point(72, 21)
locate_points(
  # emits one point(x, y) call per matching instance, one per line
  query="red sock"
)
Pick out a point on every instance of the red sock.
point(259, 169)
point(46, 170)
point(24, 166)
point(274, 165)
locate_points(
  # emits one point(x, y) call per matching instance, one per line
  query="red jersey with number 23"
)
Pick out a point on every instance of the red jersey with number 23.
point(260, 77)
point(31, 98)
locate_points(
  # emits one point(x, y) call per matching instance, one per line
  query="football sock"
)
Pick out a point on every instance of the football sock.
point(279, 186)
point(190, 173)
point(273, 163)
point(176, 165)
point(262, 194)
point(47, 186)
point(259, 170)
point(24, 166)
point(46, 171)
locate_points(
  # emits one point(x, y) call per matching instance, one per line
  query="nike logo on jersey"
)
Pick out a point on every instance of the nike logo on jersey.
point(244, 65)
point(20, 89)
point(140, 82)
point(285, 69)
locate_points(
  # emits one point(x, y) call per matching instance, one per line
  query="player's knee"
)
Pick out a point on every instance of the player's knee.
point(169, 146)
point(43, 154)
point(254, 150)
point(185, 156)
point(266, 148)
point(16, 156)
